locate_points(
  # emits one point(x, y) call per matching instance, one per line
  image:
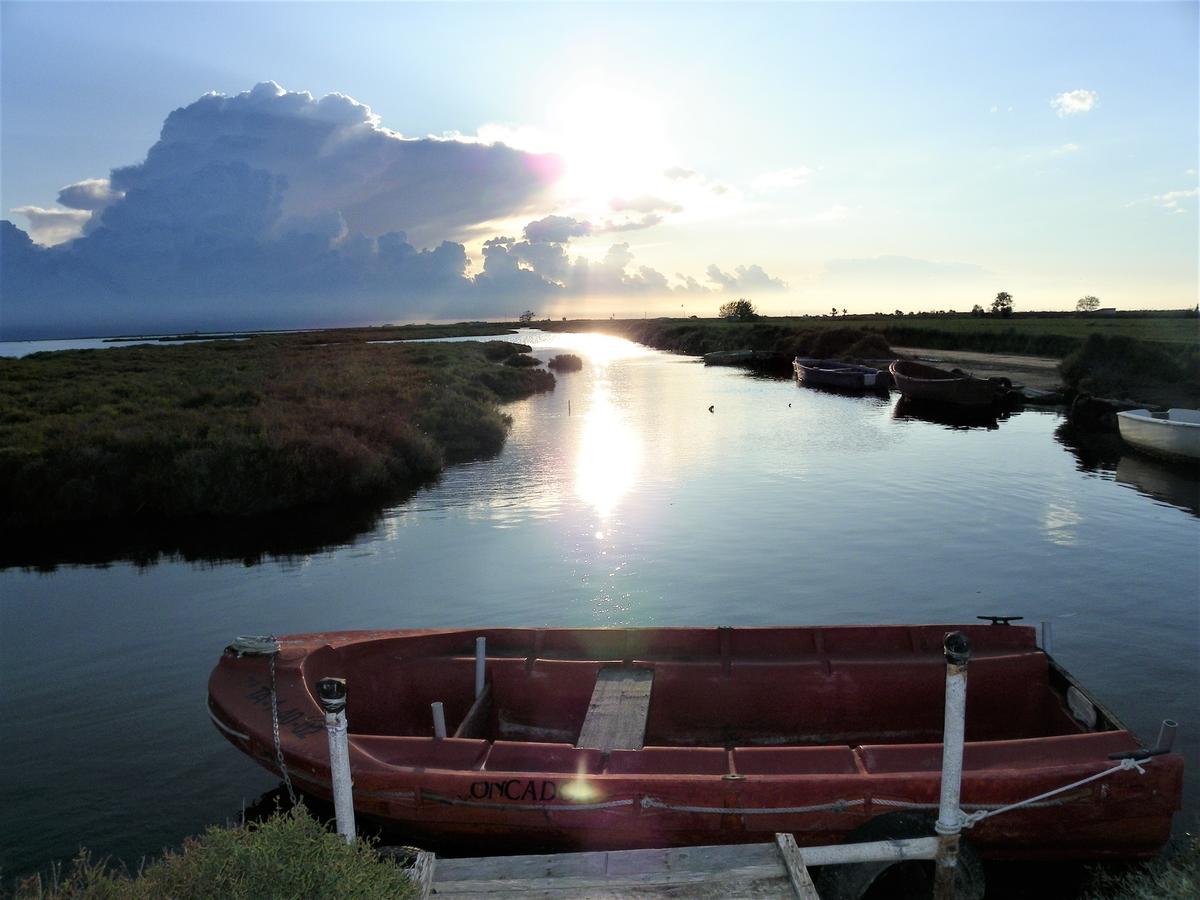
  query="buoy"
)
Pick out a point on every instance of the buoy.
point(710, 409)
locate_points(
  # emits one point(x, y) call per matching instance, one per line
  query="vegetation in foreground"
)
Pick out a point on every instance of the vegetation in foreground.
point(290, 854)
point(1174, 875)
point(242, 428)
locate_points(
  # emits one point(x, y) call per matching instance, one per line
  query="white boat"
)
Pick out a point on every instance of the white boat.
point(1173, 433)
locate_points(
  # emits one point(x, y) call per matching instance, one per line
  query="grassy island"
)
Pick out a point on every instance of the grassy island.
point(245, 427)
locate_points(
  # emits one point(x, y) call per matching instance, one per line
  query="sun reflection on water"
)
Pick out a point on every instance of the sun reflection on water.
point(610, 452)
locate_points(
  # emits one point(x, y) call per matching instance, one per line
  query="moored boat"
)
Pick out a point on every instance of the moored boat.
point(1175, 433)
point(658, 737)
point(833, 373)
point(929, 384)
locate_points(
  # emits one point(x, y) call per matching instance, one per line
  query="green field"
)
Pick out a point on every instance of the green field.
point(1169, 327)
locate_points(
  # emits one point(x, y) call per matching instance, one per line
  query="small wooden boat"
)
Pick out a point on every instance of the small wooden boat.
point(1175, 433)
point(625, 738)
point(929, 384)
point(835, 374)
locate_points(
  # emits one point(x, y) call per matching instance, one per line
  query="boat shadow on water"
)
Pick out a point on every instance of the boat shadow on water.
point(956, 418)
point(1171, 482)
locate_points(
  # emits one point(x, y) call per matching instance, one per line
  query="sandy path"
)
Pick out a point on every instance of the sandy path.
point(1032, 371)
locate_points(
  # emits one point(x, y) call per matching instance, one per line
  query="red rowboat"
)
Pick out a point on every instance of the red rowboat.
point(659, 737)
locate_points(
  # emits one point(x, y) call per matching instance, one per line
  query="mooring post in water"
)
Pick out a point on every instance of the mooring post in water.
point(1166, 735)
point(439, 719)
point(332, 694)
point(480, 661)
point(957, 648)
point(1047, 636)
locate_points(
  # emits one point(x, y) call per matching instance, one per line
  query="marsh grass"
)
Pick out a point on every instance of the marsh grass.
point(1173, 876)
point(242, 428)
point(290, 854)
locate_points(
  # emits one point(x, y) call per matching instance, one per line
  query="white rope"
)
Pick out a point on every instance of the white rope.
point(254, 645)
point(833, 806)
point(1125, 765)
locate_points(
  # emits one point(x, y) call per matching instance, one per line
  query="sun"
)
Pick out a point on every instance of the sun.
point(613, 143)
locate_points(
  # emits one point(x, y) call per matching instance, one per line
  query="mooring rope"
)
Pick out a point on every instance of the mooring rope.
point(1125, 765)
point(833, 806)
point(529, 807)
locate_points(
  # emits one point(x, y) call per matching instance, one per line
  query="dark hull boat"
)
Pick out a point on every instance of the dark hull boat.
point(837, 375)
point(928, 384)
point(626, 738)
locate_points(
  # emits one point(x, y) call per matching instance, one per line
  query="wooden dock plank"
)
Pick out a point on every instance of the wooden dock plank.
point(802, 883)
point(750, 871)
point(616, 715)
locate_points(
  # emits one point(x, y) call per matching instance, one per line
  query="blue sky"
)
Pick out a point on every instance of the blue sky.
point(869, 156)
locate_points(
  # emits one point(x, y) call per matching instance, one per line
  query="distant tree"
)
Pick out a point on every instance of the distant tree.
point(899, 312)
point(740, 310)
point(1087, 304)
point(977, 310)
point(843, 312)
point(833, 311)
point(1003, 304)
point(527, 316)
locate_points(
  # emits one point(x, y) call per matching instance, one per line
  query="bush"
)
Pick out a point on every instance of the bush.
point(522, 360)
point(566, 362)
point(289, 855)
point(1122, 366)
point(500, 350)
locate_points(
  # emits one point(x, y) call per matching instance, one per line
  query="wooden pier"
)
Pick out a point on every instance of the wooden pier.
point(729, 871)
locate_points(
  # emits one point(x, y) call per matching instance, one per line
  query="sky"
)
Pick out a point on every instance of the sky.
point(178, 165)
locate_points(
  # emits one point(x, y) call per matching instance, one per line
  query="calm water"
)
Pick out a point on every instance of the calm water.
point(619, 499)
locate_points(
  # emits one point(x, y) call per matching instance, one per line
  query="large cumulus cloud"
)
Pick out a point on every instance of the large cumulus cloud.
point(274, 209)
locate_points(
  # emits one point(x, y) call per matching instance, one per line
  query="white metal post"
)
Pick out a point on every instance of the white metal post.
point(1047, 636)
point(957, 648)
point(332, 694)
point(439, 720)
point(480, 661)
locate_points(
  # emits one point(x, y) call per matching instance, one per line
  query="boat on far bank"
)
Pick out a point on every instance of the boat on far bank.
point(930, 384)
point(1175, 433)
point(838, 375)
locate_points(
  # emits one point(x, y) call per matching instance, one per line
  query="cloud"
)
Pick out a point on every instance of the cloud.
point(273, 209)
point(1170, 200)
point(53, 226)
point(782, 179)
point(744, 278)
point(645, 203)
point(91, 194)
point(1074, 103)
point(1064, 150)
point(679, 173)
point(557, 229)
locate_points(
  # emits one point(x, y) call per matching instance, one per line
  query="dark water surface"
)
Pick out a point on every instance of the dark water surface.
point(619, 499)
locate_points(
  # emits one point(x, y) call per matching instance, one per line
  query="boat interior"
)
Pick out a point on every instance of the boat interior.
point(766, 692)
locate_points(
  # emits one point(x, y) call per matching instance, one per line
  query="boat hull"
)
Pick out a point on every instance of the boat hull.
point(927, 384)
point(707, 774)
point(1174, 437)
point(836, 375)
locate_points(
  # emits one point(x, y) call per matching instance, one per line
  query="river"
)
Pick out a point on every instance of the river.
point(619, 499)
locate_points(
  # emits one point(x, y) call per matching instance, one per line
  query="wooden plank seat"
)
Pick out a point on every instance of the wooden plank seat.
point(617, 713)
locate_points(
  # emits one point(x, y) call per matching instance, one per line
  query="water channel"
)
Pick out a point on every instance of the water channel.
point(619, 499)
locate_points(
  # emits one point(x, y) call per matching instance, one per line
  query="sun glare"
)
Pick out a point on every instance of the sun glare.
point(613, 143)
point(610, 453)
